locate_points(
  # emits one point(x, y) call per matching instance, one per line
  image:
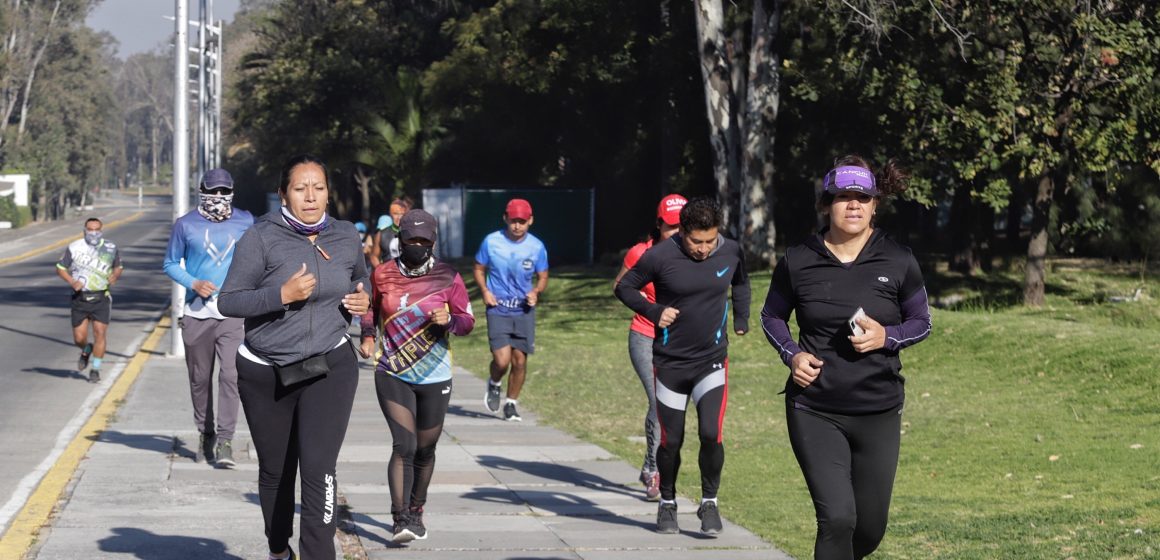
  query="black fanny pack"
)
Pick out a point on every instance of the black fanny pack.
point(305, 370)
point(89, 297)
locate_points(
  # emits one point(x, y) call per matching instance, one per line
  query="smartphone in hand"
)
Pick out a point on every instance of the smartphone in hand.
point(854, 328)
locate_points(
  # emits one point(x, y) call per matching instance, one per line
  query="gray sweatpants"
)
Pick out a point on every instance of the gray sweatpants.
point(208, 341)
point(640, 352)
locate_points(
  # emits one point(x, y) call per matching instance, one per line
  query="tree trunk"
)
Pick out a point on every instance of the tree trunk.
point(1036, 275)
point(961, 230)
point(32, 71)
point(363, 180)
point(758, 232)
point(719, 104)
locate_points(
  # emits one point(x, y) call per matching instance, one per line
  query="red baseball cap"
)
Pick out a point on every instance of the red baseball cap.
point(669, 210)
point(518, 209)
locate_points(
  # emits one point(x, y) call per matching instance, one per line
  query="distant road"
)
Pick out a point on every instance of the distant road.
point(40, 391)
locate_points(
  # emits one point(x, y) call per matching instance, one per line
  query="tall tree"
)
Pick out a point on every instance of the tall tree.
point(742, 97)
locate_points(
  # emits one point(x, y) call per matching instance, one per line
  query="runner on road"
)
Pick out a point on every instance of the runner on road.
point(91, 266)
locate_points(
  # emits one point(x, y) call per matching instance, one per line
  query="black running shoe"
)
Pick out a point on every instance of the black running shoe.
point(83, 361)
point(292, 556)
point(491, 397)
point(94, 375)
point(402, 530)
point(510, 413)
point(710, 519)
point(667, 519)
point(415, 523)
point(205, 448)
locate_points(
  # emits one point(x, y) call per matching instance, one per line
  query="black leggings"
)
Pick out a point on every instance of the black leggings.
point(415, 416)
point(849, 464)
point(300, 427)
point(708, 386)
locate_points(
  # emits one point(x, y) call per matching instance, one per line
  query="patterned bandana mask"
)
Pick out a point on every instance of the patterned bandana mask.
point(215, 207)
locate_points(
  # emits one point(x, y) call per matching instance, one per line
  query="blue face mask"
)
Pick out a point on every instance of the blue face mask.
point(93, 238)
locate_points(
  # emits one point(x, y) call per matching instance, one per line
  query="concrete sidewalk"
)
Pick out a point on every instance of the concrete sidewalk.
point(501, 491)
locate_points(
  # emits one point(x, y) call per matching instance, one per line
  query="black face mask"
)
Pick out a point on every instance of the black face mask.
point(415, 256)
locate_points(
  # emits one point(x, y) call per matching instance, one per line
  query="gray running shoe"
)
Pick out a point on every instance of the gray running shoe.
point(94, 375)
point(667, 519)
point(83, 361)
point(402, 530)
point(491, 397)
point(510, 413)
point(710, 519)
point(205, 448)
point(415, 524)
point(224, 452)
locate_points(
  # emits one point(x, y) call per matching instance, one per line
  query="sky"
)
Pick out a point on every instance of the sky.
point(139, 25)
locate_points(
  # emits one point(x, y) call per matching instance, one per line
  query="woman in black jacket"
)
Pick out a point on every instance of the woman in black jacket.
point(859, 299)
point(297, 277)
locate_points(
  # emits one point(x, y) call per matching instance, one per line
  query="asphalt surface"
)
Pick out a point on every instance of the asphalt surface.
point(501, 490)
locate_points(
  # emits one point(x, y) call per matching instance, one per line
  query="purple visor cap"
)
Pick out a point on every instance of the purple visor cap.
point(850, 178)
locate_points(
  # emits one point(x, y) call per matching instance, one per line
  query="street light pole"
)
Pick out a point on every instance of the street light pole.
point(180, 156)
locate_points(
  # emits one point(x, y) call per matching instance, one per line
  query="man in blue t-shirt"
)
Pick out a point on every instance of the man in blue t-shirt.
point(511, 258)
point(205, 239)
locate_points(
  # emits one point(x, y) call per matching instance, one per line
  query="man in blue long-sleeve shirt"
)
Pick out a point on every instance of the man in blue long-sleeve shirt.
point(204, 239)
point(693, 272)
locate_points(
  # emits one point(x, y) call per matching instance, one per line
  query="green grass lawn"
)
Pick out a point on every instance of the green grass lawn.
point(1028, 433)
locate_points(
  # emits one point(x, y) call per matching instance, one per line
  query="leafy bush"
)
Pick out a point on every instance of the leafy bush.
point(10, 212)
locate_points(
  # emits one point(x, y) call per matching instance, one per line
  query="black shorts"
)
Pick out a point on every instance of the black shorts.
point(517, 331)
point(95, 305)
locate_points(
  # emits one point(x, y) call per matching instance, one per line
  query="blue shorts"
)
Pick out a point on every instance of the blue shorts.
point(517, 331)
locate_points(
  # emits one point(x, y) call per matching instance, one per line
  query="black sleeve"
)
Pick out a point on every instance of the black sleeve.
point(741, 294)
point(637, 277)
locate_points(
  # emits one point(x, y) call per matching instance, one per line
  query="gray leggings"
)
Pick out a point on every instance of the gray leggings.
point(640, 348)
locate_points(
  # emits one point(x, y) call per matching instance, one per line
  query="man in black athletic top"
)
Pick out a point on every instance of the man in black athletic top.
point(693, 272)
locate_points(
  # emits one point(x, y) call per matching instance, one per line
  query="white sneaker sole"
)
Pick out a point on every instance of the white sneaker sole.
point(404, 536)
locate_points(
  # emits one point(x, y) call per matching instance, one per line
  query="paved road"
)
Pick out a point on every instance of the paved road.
point(42, 393)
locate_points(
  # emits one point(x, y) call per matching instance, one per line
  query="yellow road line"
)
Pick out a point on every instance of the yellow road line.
point(59, 244)
point(25, 526)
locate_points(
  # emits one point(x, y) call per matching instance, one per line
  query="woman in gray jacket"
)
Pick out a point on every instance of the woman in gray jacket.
point(297, 277)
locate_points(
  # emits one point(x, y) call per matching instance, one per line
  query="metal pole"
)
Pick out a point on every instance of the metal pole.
point(202, 102)
point(217, 97)
point(180, 155)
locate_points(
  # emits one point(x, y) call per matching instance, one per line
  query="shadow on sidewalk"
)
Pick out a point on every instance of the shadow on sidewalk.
point(61, 373)
point(557, 471)
point(148, 546)
point(161, 443)
point(457, 410)
point(562, 504)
